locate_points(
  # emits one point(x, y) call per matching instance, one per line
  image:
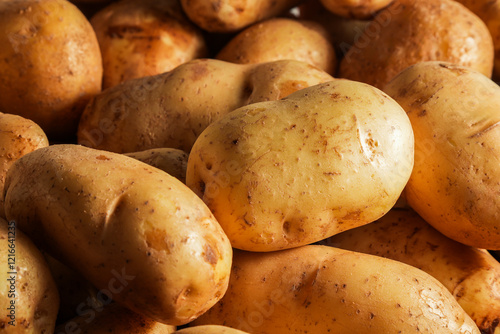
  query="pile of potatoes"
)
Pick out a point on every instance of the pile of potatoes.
point(288, 166)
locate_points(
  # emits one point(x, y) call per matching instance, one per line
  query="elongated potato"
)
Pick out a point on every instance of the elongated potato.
point(455, 113)
point(472, 275)
point(321, 289)
point(172, 109)
point(138, 234)
point(209, 329)
point(28, 295)
point(169, 160)
point(286, 173)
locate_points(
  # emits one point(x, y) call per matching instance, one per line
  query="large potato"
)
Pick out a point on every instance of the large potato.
point(321, 289)
point(172, 109)
point(50, 63)
point(455, 184)
point(285, 173)
point(143, 38)
point(28, 295)
point(472, 275)
point(138, 234)
point(409, 31)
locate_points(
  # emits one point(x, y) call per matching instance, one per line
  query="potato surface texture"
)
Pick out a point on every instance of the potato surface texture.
point(455, 114)
point(125, 226)
point(321, 289)
point(285, 173)
point(358, 9)
point(209, 329)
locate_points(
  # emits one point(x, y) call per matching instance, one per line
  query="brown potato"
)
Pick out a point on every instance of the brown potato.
point(209, 329)
point(50, 63)
point(172, 109)
point(408, 32)
point(358, 9)
point(143, 38)
point(282, 38)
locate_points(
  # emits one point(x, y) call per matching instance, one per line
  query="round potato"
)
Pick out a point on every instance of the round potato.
point(282, 38)
point(358, 9)
point(139, 235)
point(143, 38)
point(50, 63)
point(286, 173)
point(408, 32)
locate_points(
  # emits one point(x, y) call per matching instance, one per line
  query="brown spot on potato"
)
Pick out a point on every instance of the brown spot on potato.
point(102, 157)
point(210, 255)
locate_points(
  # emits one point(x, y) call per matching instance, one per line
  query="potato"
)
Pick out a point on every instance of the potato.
point(18, 136)
point(28, 295)
point(113, 319)
point(454, 186)
point(143, 38)
point(169, 160)
point(321, 289)
point(472, 275)
point(172, 109)
point(232, 15)
point(286, 173)
point(209, 329)
point(50, 63)
point(282, 38)
point(136, 233)
point(358, 9)
point(408, 32)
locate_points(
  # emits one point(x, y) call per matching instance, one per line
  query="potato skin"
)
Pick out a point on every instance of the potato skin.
point(357, 9)
point(209, 329)
point(454, 112)
point(321, 289)
point(141, 235)
point(408, 32)
point(50, 63)
point(172, 109)
point(286, 173)
point(36, 296)
point(144, 38)
point(472, 275)
point(282, 38)
point(18, 136)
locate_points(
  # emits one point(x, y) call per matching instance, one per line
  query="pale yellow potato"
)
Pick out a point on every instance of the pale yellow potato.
point(321, 289)
point(408, 32)
point(143, 38)
point(226, 16)
point(18, 136)
point(472, 275)
point(455, 113)
point(28, 295)
point(172, 109)
point(209, 329)
point(286, 173)
point(50, 63)
point(282, 38)
point(358, 9)
point(135, 232)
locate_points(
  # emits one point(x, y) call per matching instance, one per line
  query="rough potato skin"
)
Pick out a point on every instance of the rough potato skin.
point(286, 173)
point(454, 112)
point(472, 275)
point(321, 289)
point(356, 9)
point(144, 38)
point(135, 232)
point(408, 32)
point(36, 296)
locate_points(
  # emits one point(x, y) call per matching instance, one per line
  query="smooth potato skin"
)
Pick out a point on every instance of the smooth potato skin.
point(472, 275)
point(454, 185)
point(357, 9)
point(50, 64)
point(321, 289)
point(36, 296)
point(408, 32)
point(209, 329)
point(129, 228)
point(286, 173)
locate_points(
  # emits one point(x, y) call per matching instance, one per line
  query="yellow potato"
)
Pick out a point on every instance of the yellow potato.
point(143, 38)
point(472, 275)
point(321, 289)
point(358, 9)
point(408, 32)
point(28, 295)
point(172, 109)
point(286, 173)
point(209, 329)
point(282, 38)
point(455, 113)
point(138, 234)
point(50, 63)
